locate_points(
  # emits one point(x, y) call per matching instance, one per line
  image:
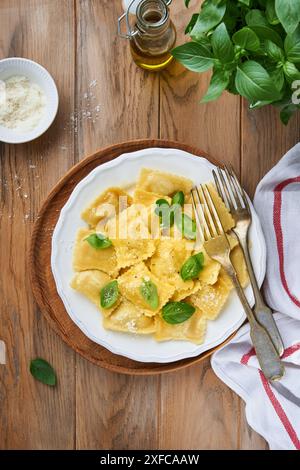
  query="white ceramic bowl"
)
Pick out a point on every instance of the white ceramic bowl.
point(39, 75)
point(121, 172)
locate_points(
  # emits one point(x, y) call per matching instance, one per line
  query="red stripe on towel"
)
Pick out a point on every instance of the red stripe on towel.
point(274, 401)
point(279, 234)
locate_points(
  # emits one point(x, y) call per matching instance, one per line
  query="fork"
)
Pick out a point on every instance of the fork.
point(217, 247)
point(234, 197)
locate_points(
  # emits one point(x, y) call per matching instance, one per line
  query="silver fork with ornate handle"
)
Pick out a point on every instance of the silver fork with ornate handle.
point(233, 195)
point(217, 247)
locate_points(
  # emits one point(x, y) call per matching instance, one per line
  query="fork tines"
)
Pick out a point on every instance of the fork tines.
point(207, 217)
point(230, 189)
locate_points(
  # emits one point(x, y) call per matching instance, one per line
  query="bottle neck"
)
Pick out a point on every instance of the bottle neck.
point(152, 17)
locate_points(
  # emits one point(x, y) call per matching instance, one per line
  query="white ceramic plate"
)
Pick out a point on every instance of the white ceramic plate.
point(123, 171)
point(39, 75)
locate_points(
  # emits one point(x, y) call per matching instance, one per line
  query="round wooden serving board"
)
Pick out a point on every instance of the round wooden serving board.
point(43, 284)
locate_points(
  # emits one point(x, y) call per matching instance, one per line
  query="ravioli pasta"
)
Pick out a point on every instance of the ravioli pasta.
point(132, 268)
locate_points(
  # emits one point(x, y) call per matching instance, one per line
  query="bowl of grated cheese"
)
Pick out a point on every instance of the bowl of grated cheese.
point(28, 100)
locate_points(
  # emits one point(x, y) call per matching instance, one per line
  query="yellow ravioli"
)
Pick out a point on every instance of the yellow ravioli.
point(211, 299)
point(100, 208)
point(90, 283)
point(130, 236)
point(86, 257)
point(193, 329)
point(148, 198)
point(129, 319)
point(181, 294)
point(163, 183)
point(131, 252)
point(210, 271)
point(168, 259)
point(131, 281)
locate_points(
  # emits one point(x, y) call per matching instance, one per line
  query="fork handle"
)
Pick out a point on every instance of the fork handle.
point(267, 355)
point(262, 312)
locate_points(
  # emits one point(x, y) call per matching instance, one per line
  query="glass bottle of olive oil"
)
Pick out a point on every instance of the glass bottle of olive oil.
point(153, 35)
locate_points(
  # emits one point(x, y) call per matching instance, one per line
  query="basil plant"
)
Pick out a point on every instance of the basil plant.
point(252, 47)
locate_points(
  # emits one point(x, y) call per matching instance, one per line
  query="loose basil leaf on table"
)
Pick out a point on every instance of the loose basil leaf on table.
point(42, 371)
point(98, 241)
point(178, 199)
point(109, 294)
point(187, 226)
point(149, 293)
point(192, 267)
point(177, 312)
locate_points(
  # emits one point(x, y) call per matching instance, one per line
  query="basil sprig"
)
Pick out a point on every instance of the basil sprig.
point(192, 267)
point(187, 226)
point(109, 294)
point(149, 293)
point(98, 241)
point(177, 312)
point(253, 47)
point(42, 371)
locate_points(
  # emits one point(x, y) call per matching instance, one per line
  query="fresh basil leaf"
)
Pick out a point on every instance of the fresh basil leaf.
point(187, 226)
point(292, 46)
point(98, 241)
point(187, 2)
point(246, 39)
point(266, 32)
point(192, 23)
point(256, 17)
point(194, 56)
point(277, 76)
point(287, 112)
point(42, 371)
point(109, 294)
point(210, 15)
point(218, 84)
point(177, 312)
point(178, 199)
point(221, 44)
point(162, 206)
point(273, 51)
point(271, 12)
point(245, 2)
point(288, 12)
point(149, 293)
point(254, 83)
point(192, 267)
point(291, 72)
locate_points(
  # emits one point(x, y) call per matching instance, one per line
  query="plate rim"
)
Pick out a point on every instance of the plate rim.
point(114, 163)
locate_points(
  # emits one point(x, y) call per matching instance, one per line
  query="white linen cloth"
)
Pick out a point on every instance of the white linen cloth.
point(273, 410)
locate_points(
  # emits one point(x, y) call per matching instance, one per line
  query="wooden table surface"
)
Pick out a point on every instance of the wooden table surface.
point(92, 408)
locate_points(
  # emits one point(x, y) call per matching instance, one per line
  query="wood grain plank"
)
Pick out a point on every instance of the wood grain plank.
point(33, 415)
point(264, 141)
point(113, 411)
point(194, 401)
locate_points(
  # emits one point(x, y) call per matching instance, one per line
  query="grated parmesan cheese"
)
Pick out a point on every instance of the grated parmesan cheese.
point(23, 105)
